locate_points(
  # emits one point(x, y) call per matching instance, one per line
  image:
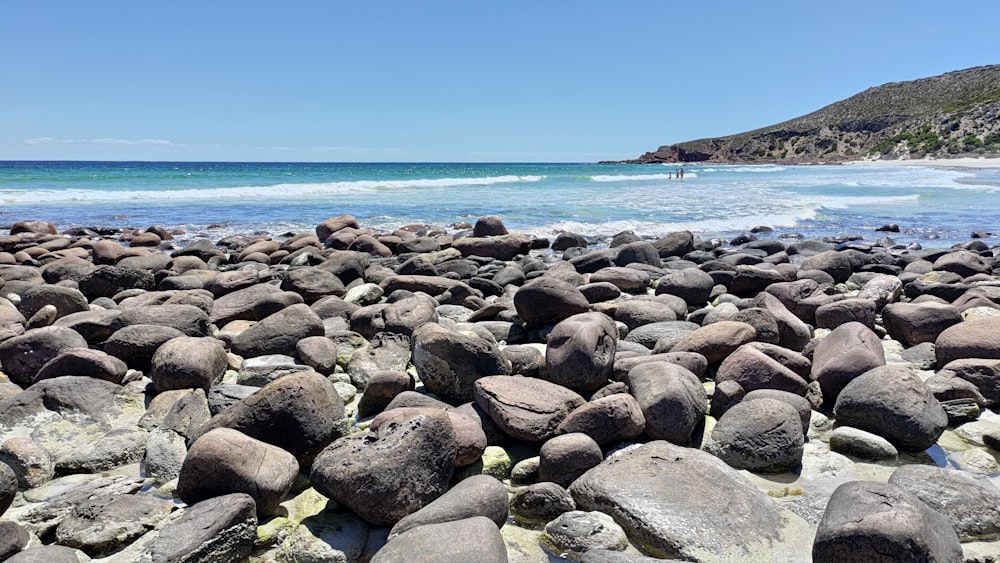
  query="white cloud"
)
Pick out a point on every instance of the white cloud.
point(39, 141)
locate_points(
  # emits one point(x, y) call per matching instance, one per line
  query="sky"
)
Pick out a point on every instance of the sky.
point(447, 81)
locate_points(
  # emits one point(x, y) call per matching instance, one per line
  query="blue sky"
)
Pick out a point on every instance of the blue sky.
point(457, 81)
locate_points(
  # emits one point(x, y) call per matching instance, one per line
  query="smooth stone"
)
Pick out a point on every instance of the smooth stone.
point(525, 408)
point(479, 495)
point(970, 502)
point(763, 435)
point(672, 401)
point(861, 444)
point(580, 352)
point(480, 541)
point(541, 502)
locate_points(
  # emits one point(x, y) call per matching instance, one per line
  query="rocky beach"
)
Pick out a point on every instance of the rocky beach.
point(470, 394)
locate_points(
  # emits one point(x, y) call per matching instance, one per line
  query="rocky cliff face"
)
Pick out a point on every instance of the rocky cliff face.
point(954, 114)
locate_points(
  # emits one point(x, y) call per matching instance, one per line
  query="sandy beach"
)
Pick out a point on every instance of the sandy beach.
point(966, 162)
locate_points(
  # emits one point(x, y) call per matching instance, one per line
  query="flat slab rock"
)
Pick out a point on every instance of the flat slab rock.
point(677, 502)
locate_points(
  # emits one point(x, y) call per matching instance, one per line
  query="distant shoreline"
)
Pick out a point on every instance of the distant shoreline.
point(965, 162)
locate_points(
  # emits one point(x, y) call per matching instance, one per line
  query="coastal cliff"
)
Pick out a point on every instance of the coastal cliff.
point(954, 114)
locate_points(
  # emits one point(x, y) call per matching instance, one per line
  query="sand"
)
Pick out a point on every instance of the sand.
point(966, 162)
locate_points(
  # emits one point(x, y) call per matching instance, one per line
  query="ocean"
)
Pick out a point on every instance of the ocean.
point(935, 207)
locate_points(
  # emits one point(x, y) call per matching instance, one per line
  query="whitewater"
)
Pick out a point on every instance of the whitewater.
point(933, 206)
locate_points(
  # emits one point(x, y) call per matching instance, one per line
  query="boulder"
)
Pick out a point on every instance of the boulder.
point(136, 344)
point(836, 313)
point(793, 332)
point(449, 363)
point(565, 457)
point(983, 374)
point(576, 532)
point(300, 413)
point(541, 501)
point(968, 339)
point(21, 357)
point(8, 485)
point(635, 313)
point(13, 538)
point(915, 323)
point(892, 402)
point(848, 351)
point(239, 305)
point(716, 341)
point(690, 284)
point(971, 503)
point(869, 521)
point(480, 541)
point(278, 333)
point(312, 283)
point(548, 300)
point(217, 529)
point(402, 463)
point(224, 461)
point(763, 435)
point(608, 420)
point(489, 226)
point(66, 300)
point(580, 352)
point(753, 369)
point(525, 408)
point(479, 495)
point(858, 443)
point(108, 281)
point(103, 525)
point(658, 493)
point(188, 362)
point(672, 400)
point(84, 362)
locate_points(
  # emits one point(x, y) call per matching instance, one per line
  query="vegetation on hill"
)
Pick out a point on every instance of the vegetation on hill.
point(951, 115)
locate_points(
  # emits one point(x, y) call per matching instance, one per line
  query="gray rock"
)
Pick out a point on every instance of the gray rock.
point(31, 463)
point(319, 353)
point(548, 300)
point(798, 402)
point(312, 283)
point(66, 300)
point(278, 333)
point(690, 284)
point(763, 435)
point(136, 344)
point(793, 332)
point(580, 352)
point(239, 305)
point(402, 463)
point(224, 461)
point(13, 538)
point(217, 529)
point(629, 280)
point(753, 369)
point(450, 363)
point(661, 336)
point(480, 541)
point(576, 532)
point(49, 554)
point(869, 521)
point(970, 502)
point(59, 503)
point(848, 351)
point(382, 389)
point(189, 319)
point(261, 370)
point(21, 357)
point(658, 493)
point(8, 485)
point(479, 495)
point(525, 408)
point(300, 413)
point(608, 420)
point(86, 363)
point(892, 402)
point(968, 339)
point(861, 444)
point(832, 315)
point(836, 263)
point(115, 448)
point(188, 362)
point(915, 323)
point(983, 374)
point(717, 340)
point(541, 502)
point(101, 526)
point(691, 361)
point(564, 458)
point(638, 312)
point(386, 351)
point(882, 289)
point(107, 281)
point(672, 400)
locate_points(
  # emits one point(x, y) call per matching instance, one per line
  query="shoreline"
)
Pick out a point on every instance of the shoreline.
point(963, 163)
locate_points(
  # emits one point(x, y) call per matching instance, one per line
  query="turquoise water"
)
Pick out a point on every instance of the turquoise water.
point(933, 206)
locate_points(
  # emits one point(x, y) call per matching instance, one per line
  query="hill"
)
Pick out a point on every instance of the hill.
point(951, 115)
